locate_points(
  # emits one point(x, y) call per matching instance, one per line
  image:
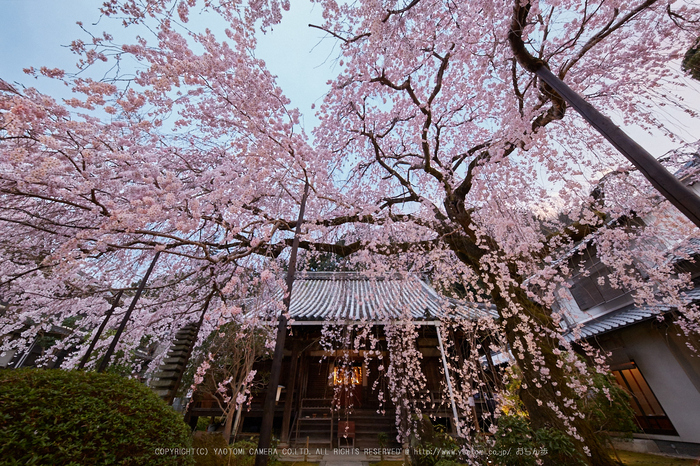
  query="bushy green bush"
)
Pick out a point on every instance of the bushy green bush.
point(246, 446)
point(610, 408)
point(607, 407)
point(214, 445)
point(517, 444)
point(73, 418)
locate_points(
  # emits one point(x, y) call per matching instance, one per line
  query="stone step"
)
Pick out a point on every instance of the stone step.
point(174, 364)
point(180, 347)
point(178, 366)
point(183, 342)
point(163, 393)
point(163, 383)
point(185, 337)
point(315, 441)
point(359, 433)
point(170, 360)
point(167, 375)
point(369, 422)
point(312, 432)
point(374, 427)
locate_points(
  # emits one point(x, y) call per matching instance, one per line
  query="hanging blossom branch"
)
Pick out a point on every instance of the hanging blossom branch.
point(468, 347)
point(405, 379)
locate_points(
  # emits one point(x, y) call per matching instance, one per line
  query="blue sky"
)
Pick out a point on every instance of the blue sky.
point(36, 32)
point(32, 32)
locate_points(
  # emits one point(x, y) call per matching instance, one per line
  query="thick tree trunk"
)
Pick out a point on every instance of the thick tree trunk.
point(527, 331)
point(542, 401)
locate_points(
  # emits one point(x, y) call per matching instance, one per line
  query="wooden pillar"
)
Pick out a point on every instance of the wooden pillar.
point(670, 187)
point(494, 371)
point(261, 458)
point(303, 382)
point(289, 398)
point(459, 349)
point(112, 346)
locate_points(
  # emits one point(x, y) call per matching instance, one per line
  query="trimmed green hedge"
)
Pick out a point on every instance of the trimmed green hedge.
point(75, 418)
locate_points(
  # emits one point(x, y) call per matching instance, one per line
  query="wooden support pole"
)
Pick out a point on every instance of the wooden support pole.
point(289, 397)
point(96, 338)
point(237, 423)
point(665, 183)
point(492, 367)
point(120, 330)
point(262, 455)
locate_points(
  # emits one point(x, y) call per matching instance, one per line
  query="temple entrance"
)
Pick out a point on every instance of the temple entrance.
point(347, 381)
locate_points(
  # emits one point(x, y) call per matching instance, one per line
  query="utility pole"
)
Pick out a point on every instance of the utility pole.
point(665, 183)
point(262, 455)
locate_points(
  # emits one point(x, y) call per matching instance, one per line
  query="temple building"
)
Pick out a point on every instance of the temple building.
point(336, 386)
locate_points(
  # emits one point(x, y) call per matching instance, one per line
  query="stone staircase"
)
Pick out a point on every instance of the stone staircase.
point(368, 425)
point(169, 375)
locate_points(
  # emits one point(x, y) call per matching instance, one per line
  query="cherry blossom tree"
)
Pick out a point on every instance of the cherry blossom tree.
point(435, 152)
point(226, 374)
point(94, 185)
point(400, 377)
point(405, 380)
point(449, 145)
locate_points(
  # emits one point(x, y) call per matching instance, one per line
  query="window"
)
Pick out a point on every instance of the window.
point(650, 415)
point(594, 289)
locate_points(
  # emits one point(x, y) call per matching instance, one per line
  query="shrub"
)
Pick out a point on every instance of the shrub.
point(607, 407)
point(74, 418)
point(517, 444)
point(215, 445)
point(613, 414)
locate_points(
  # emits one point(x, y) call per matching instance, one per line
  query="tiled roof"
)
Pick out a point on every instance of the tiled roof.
point(693, 296)
point(626, 316)
point(613, 320)
point(689, 248)
point(353, 296)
